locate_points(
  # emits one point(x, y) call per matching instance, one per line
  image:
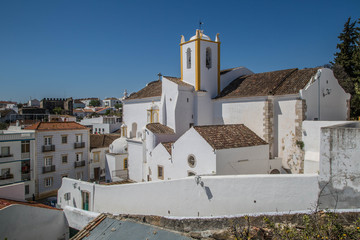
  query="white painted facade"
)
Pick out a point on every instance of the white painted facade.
point(50, 173)
point(102, 124)
point(17, 154)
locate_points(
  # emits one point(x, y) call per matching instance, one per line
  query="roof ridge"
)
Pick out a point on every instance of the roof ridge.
point(272, 92)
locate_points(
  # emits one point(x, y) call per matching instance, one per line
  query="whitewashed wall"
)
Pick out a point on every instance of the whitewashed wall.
point(135, 160)
point(209, 76)
point(14, 191)
point(333, 98)
point(311, 137)
point(27, 222)
point(189, 74)
point(135, 111)
point(245, 160)
point(203, 113)
point(159, 157)
point(209, 196)
point(100, 163)
point(248, 111)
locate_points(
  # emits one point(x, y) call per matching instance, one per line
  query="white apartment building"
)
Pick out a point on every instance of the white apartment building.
point(17, 159)
point(103, 124)
point(110, 102)
point(61, 150)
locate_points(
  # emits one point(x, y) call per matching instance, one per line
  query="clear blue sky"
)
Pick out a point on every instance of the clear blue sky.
point(93, 48)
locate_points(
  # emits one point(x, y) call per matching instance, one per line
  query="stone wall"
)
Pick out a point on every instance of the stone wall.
point(269, 125)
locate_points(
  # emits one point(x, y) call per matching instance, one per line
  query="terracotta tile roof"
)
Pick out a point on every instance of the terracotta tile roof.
point(178, 81)
point(5, 112)
point(102, 141)
point(102, 109)
point(6, 202)
point(158, 128)
point(111, 98)
point(86, 231)
point(229, 136)
point(282, 82)
point(51, 126)
point(167, 146)
point(7, 102)
point(152, 89)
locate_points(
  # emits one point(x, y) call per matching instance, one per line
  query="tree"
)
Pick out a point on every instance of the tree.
point(57, 110)
point(118, 106)
point(94, 103)
point(346, 65)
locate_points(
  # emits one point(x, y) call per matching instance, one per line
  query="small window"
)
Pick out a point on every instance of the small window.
point(78, 157)
point(208, 58)
point(63, 139)
point(160, 172)
point(47, 141)
point(25, 146)
point(188, 58)
point(125, 163)
point(79, 175)
point(96, 156)
point(190, 173)
point(5, 151)
point(187, 99)
point(64, 175)
point(27, 189)
point(48, 161)
point(191, 161)
point(64, 159)
point(78, 138)
point(67, 196)
point(48, 182)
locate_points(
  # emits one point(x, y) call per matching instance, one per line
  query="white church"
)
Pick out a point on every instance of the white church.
point(224, 122)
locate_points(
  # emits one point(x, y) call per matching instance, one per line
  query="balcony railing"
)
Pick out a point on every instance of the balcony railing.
point(25, 177)
point(48, 148)
point(79, 163)
point(25, 155)
point(124, 174)
point(47, 169)
point(6, 155)
point(79, 145)
point(6, 176)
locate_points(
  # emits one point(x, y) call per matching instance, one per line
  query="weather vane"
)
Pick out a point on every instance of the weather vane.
point(200, 24)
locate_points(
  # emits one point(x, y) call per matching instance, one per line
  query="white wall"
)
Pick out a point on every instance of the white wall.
point(159, 157)
point(333, 98)
point(14, 191)
point(78, 218)
point(311, 137)
point(135, 160)
point(211, 196)
point(245, 160)
point(26, 222)
point(248, 111)
point(189, 74)
point(135, 111)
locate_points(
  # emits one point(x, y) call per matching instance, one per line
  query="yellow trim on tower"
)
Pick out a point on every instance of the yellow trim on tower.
point(181, 61)
point(193, 40)
point(218, 69)
point(197, 64)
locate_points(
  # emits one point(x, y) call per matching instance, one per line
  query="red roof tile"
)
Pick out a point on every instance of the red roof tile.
point(229, 136)
point(5, 202)
point(152, 89)
point(51, 126)
point(159, 128)
point(168, 146)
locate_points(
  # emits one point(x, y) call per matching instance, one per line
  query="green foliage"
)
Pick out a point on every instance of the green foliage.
point(3, 126)
point(346, 65)
point(300, 144)
point(94, 103)
point(108, 112)
point(57, 110)
point(118, 105)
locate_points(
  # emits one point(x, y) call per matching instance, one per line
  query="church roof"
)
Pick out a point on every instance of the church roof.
point(167, 146)
point(152, 89)
point(102, 140)
point(178, 81)
point(229, 136)
point(289, 81)
point(159, 128)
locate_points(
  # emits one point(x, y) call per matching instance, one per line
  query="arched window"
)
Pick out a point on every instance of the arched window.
point(191, 160)
point(133, 130)
point(188, 58)
point(208, 58)
point(153, 114)
point(125, 163)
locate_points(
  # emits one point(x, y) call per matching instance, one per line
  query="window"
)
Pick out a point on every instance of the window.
point(64, 175)
point(48, 161)
point(78, 157)
point(27, 189)
point(95, 130)
point(191, 161)
point(25, 146)
point(78, 138)
point(67, 196)
point(125, 163)
point(64, 159)
point(96, 156)
point(188, 58)
point(153, 114)
point(64, 139)
point(48, 182)
point(5, 171)
point(160, 172)
point(79, 175)
point(190, 173)
point(5, 151)
point(123, 131)
point(208, 58)
point(47, 141)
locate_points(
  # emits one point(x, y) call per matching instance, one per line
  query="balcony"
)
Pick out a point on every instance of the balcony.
point(48, 148)
point(25, 177)
point(48, 169)
point(6, 176)
point(6, 155)
point(79, 145)
point(79, 163)
point(123, 174)
point(25, 155)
